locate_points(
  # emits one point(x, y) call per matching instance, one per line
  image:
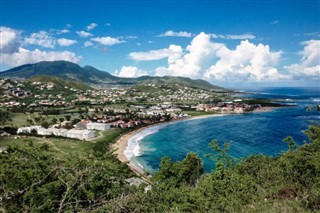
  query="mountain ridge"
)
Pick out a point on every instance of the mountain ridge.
point(95, 77)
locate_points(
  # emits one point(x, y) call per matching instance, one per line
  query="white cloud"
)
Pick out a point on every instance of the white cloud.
point(275, 22)
point(42, 39)
point(66, 42)
point(91, 26)
point(130, 72)
point(88, 44)
point(309, 66)
point(233, 37)
point(107, 24)
point(152, 55)
point(84, 34)
point(248, 62)
point(191, 64)
point(24, 56)
point(241, 37)
point(9, 39)
point(171, 33)
point(107, 41)
point(63, 31)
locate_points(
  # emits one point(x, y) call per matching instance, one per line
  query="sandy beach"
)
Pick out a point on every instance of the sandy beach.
point(121, 144)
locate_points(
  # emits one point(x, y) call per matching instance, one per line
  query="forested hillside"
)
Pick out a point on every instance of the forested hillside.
point(35, 179)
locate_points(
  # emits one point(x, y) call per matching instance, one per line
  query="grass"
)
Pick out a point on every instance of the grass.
point(62, 147)
point(20, 119)
point(108, 137)
point(198, 113)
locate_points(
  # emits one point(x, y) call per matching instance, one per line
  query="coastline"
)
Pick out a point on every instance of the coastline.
point(122, 143)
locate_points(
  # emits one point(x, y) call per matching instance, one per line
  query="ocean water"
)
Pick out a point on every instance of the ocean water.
point(254, 133)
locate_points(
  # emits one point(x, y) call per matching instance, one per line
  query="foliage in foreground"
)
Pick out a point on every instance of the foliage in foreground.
point(34, 180)
point(289, 183)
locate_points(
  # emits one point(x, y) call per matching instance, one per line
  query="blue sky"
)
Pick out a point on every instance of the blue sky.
point(224, 42)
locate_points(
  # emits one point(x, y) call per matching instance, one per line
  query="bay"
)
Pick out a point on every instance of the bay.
point(249, 134)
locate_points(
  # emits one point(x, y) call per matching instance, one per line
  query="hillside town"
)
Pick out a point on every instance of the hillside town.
point(88, 112)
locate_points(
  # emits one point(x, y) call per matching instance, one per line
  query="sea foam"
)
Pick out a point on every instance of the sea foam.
point(133, 149)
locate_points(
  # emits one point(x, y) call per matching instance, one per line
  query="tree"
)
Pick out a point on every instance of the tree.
point(37, 119)
point(54, 120)
point(221, 157)
point(176, 174)
point(61, 120)
point(68, 117)
point(291, 143)
point(29, 121)
point(45, 124)
point(75, 121)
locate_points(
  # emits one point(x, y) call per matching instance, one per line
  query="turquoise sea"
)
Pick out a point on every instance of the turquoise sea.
point(254, 133)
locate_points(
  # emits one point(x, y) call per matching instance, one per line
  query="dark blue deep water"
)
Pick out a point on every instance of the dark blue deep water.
point(253, 133)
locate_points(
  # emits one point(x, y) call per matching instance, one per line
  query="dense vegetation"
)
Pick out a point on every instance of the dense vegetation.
point(34, 179)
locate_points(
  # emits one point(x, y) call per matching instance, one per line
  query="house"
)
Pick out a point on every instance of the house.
point(123, 125)
point(66, 124)
point(27, 129)
point(81, 134)
point(117, 123)
point(49, 131)
point(82, 124)
point(61, 132)
point(98, 126)
point(4, 134)
point(173, 110)
point(239, 110)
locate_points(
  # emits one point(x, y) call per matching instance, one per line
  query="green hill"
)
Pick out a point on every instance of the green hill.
point(59, 82)
point(97, 78)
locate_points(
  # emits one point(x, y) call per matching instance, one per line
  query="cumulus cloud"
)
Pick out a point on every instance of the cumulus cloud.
point(88, 44)
point(153, 55)
point(91, 26)
point(13, 54)
point(206, 59)
point(248, 62)
point(233, 37)
point(171, 33)
point(309, 66)
point(66, 42)
point(60, 31)
point(193, 62)
point(130, 72)
point(107, 41)
point(84, 34)
point(24, 56)
point(9, 40)
point(42, 39)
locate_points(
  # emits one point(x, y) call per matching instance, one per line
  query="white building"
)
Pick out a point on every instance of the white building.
point(81, 134)
point(77, 134)
point(44, 131)
point(173, 110)
point(61, 132)
point(27, 129)
point(98, 126)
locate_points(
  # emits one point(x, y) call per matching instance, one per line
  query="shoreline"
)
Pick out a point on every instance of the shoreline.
point(122, 143)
